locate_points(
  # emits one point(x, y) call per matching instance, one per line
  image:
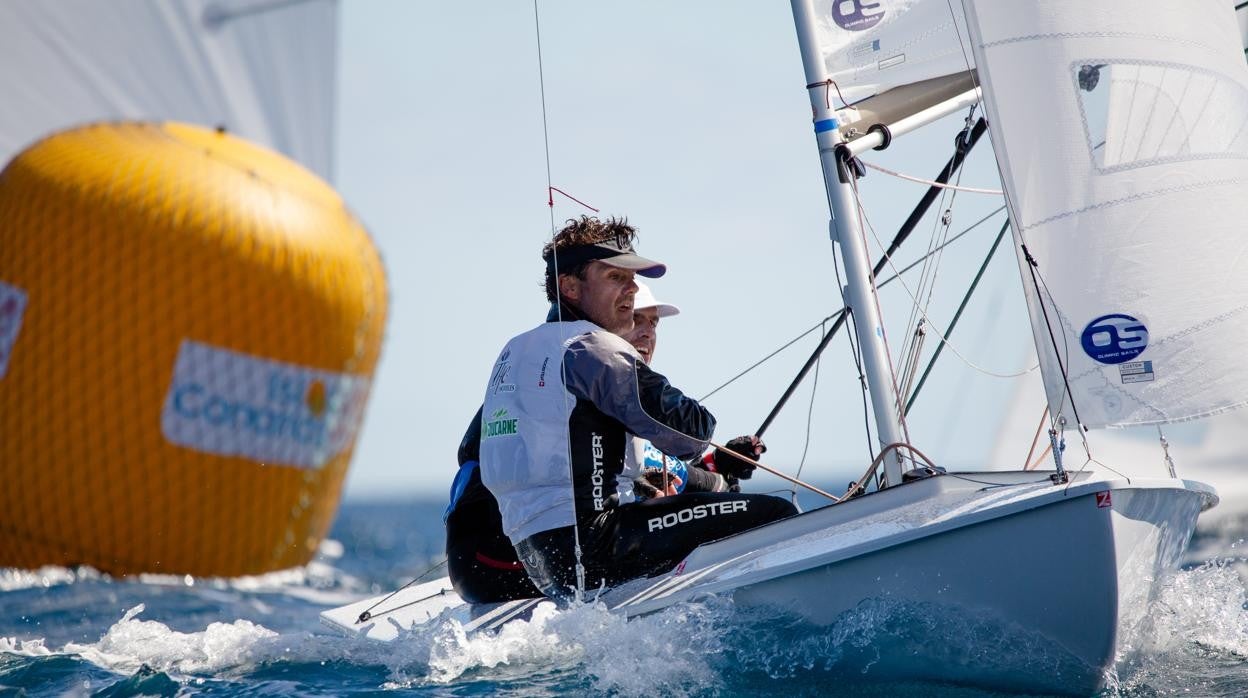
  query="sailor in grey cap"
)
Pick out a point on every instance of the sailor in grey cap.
point(560, 406)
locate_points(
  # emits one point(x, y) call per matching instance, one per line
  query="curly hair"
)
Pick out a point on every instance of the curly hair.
point(584, 231)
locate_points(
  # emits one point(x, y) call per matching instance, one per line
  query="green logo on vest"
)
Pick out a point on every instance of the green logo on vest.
point(498, 425)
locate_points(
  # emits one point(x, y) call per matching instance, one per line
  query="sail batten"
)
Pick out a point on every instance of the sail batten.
point(1120, 134)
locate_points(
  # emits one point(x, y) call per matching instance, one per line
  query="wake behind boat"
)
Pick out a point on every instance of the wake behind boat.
point(1112, 130)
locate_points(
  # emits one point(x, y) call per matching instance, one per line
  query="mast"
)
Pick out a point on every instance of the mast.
point(847, 233)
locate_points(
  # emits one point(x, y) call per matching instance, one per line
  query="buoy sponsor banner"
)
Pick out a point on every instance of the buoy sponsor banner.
point(233, 404)
point(12, 305)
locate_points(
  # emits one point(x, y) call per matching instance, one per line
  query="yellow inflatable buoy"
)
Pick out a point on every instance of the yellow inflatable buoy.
point(189, 325)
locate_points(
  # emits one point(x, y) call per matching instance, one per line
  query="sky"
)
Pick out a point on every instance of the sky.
point(692, 120)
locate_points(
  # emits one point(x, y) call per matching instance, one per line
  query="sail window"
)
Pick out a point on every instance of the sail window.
point(1139, 114)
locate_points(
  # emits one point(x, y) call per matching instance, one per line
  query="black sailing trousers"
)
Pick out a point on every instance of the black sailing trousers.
point(642, 538)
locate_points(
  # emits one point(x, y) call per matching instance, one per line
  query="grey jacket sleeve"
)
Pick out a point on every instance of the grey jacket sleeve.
point(607, 371)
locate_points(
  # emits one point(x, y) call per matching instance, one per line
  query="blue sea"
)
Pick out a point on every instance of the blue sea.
point(77, 632)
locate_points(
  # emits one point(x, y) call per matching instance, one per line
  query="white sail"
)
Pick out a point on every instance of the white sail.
point(1121, 134)
point(869, 46)
point(264, 69)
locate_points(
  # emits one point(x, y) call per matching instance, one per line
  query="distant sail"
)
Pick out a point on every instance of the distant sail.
point(264, 69)
point(1121, 133)
point(870, 46)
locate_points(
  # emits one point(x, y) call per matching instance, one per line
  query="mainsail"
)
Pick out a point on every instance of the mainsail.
point(263, 69)
point(869, 46)
point(1121, 134)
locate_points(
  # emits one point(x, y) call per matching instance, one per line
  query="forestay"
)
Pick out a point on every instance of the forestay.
point(264, 69)
point(1121, 133)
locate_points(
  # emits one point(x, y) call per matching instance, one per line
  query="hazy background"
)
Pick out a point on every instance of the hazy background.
point(691, 119)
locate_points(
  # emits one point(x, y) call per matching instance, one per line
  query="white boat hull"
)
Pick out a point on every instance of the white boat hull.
point(995, 579)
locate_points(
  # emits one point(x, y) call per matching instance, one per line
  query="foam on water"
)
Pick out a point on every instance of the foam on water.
point(1196, 637)
point(672, 653)
point(74, 630)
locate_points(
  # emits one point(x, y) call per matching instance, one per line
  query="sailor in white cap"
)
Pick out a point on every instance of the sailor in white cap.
point(659, 474)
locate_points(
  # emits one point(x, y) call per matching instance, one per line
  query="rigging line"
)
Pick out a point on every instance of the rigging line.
point(554, 250)
point(837, 315)
point(366, 616)
point(1032, 265)
point(551, 196)
point(936, 328)
point(958, 315)
point(763, 360)
point(810, 411)
point(931, 183)
point(1058, 418)
point(945, 219)
point(912, 221)
point(779, 474)
point(947, 243)
point(367, 613)
point(541, 80)
point(1035, 439)
point(839, 321)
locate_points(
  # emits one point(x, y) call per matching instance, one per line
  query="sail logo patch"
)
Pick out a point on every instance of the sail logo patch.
point(856, 15)
point(232, 404)
point(12, 306)
point(1114, 339)
point(1136, 371)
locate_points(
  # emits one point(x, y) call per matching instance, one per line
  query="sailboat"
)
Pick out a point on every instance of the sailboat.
point(1120, 136)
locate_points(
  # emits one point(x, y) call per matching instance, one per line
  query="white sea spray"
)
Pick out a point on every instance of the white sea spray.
point(674, 652)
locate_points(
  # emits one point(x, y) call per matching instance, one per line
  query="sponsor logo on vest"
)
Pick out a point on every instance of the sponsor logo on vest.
point(499, 424)
point(233, 404)
point(12, 305)
point(596, 478)
point(700, 511)
point(498, 380)
point(541, 377)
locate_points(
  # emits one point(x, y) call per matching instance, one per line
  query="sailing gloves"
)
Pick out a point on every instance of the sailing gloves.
point(728, 462)
point(655, 483)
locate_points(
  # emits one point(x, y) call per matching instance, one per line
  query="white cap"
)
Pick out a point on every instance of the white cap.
point(645, 299)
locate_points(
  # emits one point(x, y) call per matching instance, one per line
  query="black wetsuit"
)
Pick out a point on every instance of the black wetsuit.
point(481, 561)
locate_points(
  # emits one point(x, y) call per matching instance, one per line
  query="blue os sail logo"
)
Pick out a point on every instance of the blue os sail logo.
point(855, 15)
point(1114, 339)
